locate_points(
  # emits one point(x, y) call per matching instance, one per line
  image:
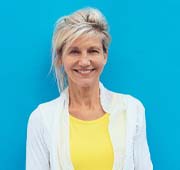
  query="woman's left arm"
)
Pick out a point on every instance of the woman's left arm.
point(142, 158)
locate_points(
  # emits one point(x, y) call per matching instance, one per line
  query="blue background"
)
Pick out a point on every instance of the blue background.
point(144, 60)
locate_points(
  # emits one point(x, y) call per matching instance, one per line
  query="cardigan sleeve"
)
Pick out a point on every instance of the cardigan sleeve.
point(37, 154)
point(142, 159)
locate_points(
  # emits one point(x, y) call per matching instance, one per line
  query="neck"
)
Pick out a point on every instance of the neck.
point(84, 96)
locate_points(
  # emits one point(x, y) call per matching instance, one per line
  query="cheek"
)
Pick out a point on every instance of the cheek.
point(67, 63)
point(66, 67)
point(101, 63)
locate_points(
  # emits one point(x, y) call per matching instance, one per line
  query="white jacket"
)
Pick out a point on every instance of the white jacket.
point(47, 146)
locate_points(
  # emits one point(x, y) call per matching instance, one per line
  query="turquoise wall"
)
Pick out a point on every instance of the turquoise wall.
point(144, 60)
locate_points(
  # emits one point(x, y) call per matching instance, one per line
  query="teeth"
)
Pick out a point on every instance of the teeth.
point(84, 71)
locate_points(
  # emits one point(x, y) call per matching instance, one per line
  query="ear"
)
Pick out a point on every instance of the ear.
point(105, 57)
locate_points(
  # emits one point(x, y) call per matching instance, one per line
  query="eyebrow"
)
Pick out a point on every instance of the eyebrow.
point(73, 48)
point(77, 48)
point(95, 47)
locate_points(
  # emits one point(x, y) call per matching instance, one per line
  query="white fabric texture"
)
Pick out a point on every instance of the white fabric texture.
point(47, 145)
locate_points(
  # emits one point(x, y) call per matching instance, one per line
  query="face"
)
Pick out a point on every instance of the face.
point(84, 61)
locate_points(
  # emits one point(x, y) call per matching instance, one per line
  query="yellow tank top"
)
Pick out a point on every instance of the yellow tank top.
point(90, 144)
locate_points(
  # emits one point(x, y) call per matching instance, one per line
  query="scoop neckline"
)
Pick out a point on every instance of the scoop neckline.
point(88, 121)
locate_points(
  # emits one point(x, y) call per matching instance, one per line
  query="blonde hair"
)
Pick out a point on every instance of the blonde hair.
point(87, 21)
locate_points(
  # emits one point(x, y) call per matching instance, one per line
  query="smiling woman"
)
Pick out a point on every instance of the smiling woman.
point(88, 127)
point(84, 60)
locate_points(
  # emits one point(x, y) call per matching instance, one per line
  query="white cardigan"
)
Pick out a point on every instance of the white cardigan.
point(47, 146)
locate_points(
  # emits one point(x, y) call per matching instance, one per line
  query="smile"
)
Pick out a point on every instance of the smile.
point(84, 71)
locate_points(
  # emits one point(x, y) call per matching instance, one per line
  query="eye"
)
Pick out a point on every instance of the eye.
point(94, 51)
point(74, 52)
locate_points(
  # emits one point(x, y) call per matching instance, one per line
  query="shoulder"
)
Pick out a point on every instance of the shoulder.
point(131, 100)
point(128, 100)
point(44, 114)
point(115, 98)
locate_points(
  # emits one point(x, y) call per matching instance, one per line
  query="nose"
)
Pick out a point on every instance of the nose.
point(84, 60)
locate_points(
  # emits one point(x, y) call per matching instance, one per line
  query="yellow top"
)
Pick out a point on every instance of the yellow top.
point(90, 144)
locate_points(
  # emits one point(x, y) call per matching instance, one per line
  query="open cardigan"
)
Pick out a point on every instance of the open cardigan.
point(47, 145)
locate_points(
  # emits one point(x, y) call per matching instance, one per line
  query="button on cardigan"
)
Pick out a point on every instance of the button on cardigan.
point(47, 145)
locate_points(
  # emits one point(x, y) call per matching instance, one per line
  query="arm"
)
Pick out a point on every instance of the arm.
point(37, 154)
point(142, 159)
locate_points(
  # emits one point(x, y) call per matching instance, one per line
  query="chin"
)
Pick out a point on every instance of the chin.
point(84, 83)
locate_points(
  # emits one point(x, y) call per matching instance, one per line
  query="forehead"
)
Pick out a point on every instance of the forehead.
point(86, 41)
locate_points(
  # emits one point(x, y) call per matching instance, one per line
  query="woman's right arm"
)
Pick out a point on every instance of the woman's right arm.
point(37, 153)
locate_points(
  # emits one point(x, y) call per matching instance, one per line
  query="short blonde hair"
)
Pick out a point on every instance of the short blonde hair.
point(87, 21)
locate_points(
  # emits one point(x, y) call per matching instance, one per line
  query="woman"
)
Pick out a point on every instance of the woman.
point(88, 127)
